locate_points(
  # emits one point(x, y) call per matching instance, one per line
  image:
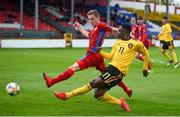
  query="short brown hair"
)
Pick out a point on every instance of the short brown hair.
point(93, 12)
point(140, 18)
point(165, 17)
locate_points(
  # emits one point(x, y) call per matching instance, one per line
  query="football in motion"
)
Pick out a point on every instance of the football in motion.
point(12, 88)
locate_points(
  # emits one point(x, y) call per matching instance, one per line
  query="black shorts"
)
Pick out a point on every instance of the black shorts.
point(168, 45)
point(161, 43)
point(111, 76)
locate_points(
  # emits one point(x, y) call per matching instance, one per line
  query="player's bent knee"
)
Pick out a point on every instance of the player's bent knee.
point(98, 83)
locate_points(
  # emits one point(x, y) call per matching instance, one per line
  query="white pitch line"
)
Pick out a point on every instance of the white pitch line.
point(159, 61)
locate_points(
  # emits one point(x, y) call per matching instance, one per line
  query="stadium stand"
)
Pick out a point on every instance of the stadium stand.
point(10, 19)
point(55, 16)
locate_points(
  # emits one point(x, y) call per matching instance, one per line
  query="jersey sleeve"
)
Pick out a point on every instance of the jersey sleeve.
point(144, 51)
point(104, 26)
point(110, 55)
point(89, 33)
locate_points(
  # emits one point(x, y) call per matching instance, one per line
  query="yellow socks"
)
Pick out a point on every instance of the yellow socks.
point(167, 56)
point(86, 88)
point(174, 56)
point(109, 99)
point(79, 91)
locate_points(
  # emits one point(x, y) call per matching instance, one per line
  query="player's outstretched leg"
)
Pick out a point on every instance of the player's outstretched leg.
point(63, 76)
point(79, 91)
point(125, 88)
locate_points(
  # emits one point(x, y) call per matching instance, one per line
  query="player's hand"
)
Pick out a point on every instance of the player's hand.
point(145, 73)
point(77, 25)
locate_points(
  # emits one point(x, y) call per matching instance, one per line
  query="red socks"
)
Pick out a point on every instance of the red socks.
point(63, 76)
point(125, 88)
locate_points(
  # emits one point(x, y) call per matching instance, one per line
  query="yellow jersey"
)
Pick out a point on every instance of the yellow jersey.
point(166, 33)
point(123, 52)
point(160, 37)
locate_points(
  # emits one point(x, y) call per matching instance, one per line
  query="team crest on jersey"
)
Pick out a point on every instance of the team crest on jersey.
point(130, 45)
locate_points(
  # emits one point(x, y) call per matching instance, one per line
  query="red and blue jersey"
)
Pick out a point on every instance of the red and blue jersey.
point(142, 32)
point(143, 35)
point(96, 36)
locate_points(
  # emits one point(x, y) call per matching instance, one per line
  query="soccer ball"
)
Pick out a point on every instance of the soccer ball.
point(12, 88)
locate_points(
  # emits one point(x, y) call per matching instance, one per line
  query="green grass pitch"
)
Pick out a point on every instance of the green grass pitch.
point(159, 94)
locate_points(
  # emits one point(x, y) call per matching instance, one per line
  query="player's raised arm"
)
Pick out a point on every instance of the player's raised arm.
point(108, 28)
point(79, 27)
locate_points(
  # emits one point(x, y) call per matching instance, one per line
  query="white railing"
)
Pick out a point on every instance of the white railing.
point(10, 25)
point(60, 43)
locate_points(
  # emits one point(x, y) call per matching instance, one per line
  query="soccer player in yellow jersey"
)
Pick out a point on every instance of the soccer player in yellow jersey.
point(121, 56)
point(165, 34)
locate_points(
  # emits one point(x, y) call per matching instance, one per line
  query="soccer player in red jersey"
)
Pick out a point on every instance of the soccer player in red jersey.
point(134, 29)
point(143, 34)
point(92, 57)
